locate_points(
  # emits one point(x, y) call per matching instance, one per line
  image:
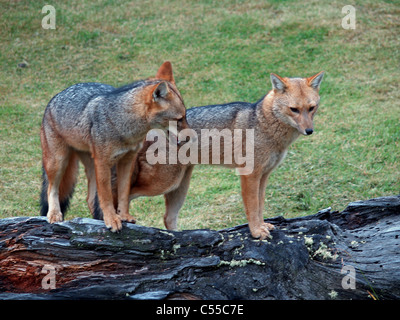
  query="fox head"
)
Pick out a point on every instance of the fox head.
point(296, 101)
point(164, 101)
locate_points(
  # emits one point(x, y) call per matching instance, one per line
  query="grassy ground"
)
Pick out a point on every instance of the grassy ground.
point(221, 51)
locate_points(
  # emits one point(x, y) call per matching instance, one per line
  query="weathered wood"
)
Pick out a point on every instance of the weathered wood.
point(303, 260)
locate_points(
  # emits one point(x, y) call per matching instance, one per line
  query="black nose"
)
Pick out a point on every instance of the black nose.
point(309, 131)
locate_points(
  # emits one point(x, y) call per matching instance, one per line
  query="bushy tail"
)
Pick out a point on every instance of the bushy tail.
point(66, 187)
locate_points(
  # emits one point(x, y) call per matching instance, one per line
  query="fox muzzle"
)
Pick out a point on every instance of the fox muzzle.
point(309, 131)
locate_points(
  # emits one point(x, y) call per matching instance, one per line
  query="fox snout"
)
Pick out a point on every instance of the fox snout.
point(309, 131)
point(303, 120)
point(186, 134)
point(306, 129)
point(181, 132)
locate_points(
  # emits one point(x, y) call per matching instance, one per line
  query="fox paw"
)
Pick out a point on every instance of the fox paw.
point(54, 216)
point(128, 218)
point(262, 232)
point(113, 222)
point(269, 226)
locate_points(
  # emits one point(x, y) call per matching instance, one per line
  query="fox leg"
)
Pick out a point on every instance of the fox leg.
point(125, 168)
point(55, 167)
point(60, 164)
point(250, 185)
point(91, 177)
point(104, 191)
point(175, 199)
point(263, 184)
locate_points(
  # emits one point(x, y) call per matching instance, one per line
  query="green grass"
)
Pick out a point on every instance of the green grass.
point(221, 51)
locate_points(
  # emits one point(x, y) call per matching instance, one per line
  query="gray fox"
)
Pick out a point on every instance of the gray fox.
point(103, 127)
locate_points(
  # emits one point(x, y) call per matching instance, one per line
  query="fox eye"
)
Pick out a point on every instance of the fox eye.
point(311, 109)
point(295, 110)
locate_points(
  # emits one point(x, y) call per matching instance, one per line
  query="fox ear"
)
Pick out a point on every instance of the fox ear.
point(277, 82)
point(165, 72)
point(160, 91)
point(315, 81)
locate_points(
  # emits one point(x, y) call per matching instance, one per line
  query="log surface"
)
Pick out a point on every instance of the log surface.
point(305, 259)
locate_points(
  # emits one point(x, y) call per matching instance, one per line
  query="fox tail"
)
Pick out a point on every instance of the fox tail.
point(66, 190)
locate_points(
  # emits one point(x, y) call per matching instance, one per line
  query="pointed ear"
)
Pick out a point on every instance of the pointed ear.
point(165, 72)
point(315, 81)
point(160, 91)
point(277, 82)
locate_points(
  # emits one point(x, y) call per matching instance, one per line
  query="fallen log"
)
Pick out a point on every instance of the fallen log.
point(353, 254)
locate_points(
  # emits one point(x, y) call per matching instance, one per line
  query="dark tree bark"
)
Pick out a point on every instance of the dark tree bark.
point(310, 257)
